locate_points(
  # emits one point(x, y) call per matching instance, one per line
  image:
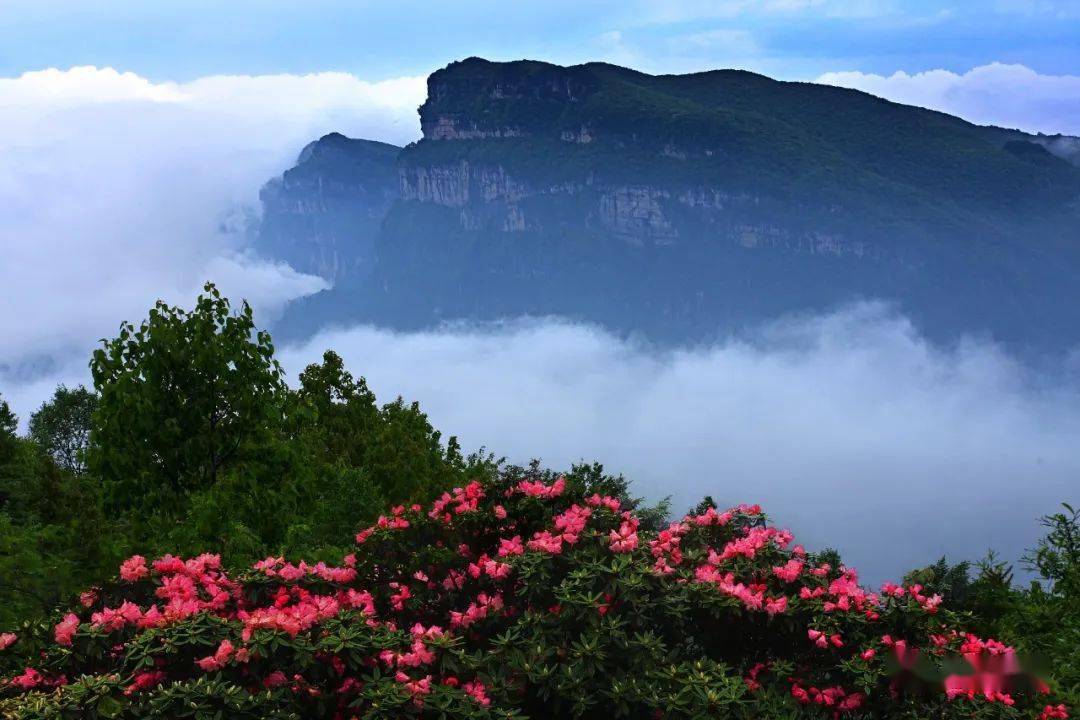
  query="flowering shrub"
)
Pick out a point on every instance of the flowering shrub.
point(517, 598)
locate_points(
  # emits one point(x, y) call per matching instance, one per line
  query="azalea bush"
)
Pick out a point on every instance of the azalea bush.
point(515, 597)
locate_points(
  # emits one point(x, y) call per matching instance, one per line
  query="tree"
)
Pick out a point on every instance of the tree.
point(361, 456)
point(46, 518)
point(61, 427)
point(9, 423)
point(1057, 556)
point(184, 397)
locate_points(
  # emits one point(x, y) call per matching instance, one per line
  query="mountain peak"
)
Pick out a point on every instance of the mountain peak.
point(682, 206)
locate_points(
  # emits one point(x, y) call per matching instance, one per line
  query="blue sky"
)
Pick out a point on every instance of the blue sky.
point(792, 39)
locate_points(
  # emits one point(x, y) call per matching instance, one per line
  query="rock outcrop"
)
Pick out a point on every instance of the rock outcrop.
point(682, 207)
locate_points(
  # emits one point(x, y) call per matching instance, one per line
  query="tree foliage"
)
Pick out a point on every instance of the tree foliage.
point(193, 441)
point(185, 397)
point(61, 427)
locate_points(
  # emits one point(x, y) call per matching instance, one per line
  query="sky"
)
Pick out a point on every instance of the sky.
point(796, 39)
point(134, 138)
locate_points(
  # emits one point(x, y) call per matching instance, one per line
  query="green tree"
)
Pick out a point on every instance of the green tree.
point(47, 516)
point(184, 398)
point(361, 456)
point(1057, 556)
point(61, 426)
point(9, 423)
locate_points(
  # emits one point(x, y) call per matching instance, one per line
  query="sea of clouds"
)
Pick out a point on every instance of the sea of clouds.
point(850, 428)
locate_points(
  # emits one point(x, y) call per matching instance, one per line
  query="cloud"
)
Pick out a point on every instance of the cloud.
point(850, 428)
point(116, 190)
point(1011, 96)
point(685, 11)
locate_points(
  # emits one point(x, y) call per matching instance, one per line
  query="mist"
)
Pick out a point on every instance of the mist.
point(116, 191)
point(849, 428)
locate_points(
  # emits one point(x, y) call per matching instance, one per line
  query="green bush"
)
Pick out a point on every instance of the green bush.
point(518, 595)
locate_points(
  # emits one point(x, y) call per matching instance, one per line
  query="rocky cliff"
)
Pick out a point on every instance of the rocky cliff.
point(682, 207)
point(322, 216)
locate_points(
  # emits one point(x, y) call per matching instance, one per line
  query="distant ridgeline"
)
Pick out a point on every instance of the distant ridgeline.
point(681, 207)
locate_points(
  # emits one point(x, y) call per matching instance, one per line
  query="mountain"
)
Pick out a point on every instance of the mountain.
point(681, 207)
point(323, 215)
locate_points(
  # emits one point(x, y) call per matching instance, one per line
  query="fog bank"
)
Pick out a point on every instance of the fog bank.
point(849, 428)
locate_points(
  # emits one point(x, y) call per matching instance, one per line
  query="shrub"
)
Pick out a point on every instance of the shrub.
point(513, 597)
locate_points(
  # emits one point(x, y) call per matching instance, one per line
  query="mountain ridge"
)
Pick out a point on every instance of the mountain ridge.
point(681, 207)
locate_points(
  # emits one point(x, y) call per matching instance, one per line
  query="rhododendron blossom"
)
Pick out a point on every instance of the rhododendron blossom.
point(506, 597)
point(134, 569)
point(64, 631)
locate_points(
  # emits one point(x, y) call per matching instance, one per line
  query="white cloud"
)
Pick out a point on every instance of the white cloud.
point(1012, 96)
point(116, 190)
point(850, 428)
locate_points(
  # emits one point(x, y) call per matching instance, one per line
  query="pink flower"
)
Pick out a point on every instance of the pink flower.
point(512, 546)
point(535, 488)
point(775, 606)
point(611, 503)
point(220, 658)
point(64, 632)
point(275, 679)
point(477, 691)
point(790, 571)
point(144, 681)
point(29, 679)
point(7, 640)
point(625, 539)
point(134, 569)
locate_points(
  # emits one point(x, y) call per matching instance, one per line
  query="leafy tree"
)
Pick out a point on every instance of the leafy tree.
point(184, 398)
point(47, 516)
point(952, 582)
point(9, 423)
point(362, 456)
point(61, 426)
point(1057, 556)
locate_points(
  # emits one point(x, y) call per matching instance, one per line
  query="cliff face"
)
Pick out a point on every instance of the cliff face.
point(683, 207)
point(322, 216)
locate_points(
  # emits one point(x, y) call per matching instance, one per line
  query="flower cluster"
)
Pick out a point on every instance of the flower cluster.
point(518, 596)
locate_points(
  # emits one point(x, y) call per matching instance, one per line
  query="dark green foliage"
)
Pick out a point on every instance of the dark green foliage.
point(1041, 620)
point(1057, 556)
point(61, 427)
point(50, 523)
point(197, 444)
point(185, 397)
point(358, 455)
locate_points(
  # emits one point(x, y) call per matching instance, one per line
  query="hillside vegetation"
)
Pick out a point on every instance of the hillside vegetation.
point(319, 555)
